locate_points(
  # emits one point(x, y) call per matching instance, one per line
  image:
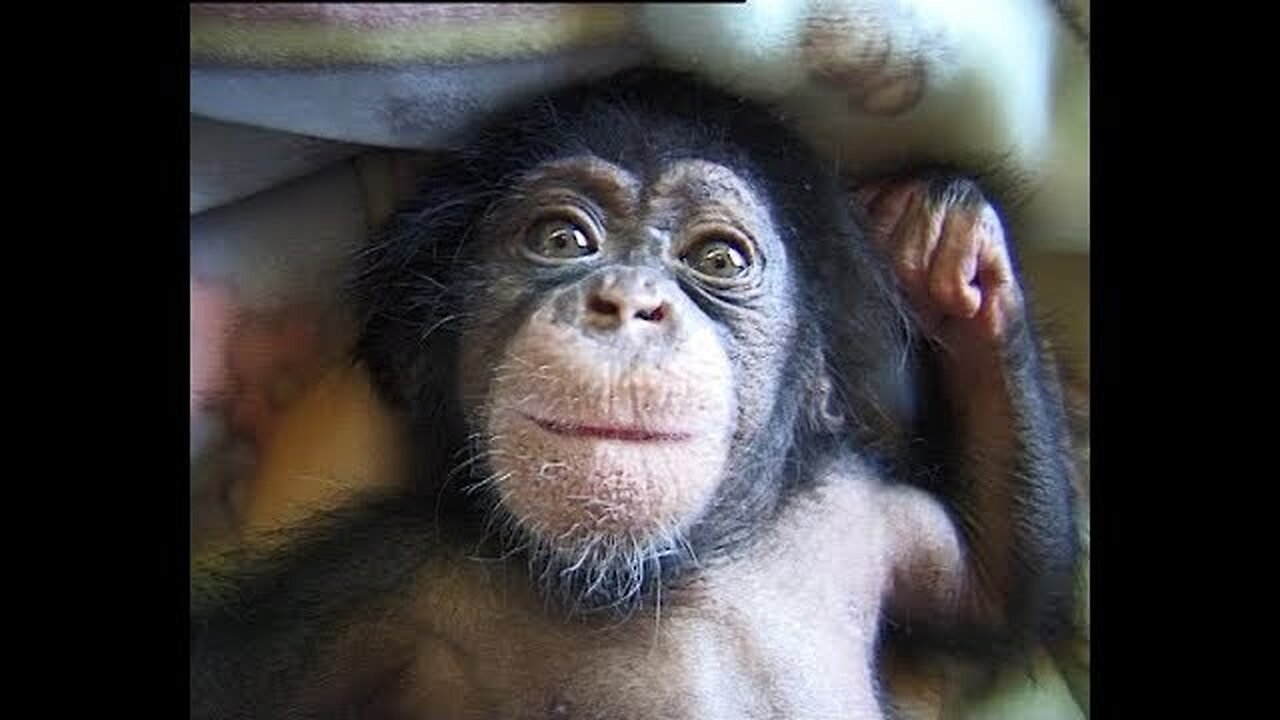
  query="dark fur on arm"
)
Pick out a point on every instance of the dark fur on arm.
point(268, 623)
point(998, 457)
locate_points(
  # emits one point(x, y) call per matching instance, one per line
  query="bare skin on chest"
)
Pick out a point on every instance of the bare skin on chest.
point(785, 628)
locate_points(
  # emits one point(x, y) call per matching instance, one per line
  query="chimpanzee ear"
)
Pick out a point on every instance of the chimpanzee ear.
point(828, 411)
point(406, 375)
point(868, 368)
point(384, 343)
point(404, 286)
point(873, 406)
point(410, 372)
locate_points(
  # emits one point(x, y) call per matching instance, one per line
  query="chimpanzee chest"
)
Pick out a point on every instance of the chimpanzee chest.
point(780, 633)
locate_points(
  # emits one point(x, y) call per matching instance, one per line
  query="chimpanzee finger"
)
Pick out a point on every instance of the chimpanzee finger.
point(953, 276)
point(915, 241)
point(886, 210)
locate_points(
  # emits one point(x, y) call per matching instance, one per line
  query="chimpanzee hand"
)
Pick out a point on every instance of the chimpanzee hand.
point(948, 250)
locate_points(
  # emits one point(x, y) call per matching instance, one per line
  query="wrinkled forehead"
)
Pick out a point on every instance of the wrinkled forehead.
point(690, 182)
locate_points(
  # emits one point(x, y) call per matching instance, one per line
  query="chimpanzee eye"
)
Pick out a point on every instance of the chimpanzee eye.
point(718, 256)
point(560, 239)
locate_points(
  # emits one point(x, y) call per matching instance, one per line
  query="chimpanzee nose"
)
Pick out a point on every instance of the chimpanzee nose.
point(623, 297)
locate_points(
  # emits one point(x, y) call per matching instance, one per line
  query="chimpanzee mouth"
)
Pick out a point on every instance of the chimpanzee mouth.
point(607, 432)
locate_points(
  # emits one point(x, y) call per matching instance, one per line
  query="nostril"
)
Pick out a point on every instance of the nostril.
point(654, 315)
point(600, 306)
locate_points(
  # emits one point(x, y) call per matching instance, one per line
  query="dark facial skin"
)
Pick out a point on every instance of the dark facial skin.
point(656, 363)
point(645, 233)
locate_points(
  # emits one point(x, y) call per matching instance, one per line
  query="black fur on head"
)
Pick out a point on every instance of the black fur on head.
point(417, 282)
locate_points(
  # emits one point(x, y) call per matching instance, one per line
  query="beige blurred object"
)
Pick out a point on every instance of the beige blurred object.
point(337, 439)
point(1059, 284)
